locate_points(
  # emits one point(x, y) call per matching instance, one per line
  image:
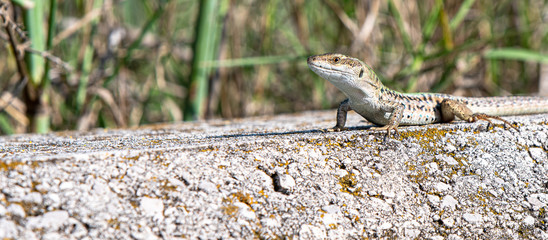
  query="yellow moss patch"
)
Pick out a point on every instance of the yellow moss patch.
point(348, 182)
point(230, 209)
point(8, 166)
point(244, 198)
point(429, 138)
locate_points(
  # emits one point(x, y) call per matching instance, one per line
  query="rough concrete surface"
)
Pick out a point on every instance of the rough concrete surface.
point(278, 178)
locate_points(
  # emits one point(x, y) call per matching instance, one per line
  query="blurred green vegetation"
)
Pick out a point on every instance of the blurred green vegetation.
point(137, 62)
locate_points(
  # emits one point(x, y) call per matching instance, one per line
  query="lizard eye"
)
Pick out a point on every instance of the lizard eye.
point(336, 59)
point(361, 72)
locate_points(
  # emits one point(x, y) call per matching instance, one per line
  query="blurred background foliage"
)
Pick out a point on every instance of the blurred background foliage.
point(82, 64)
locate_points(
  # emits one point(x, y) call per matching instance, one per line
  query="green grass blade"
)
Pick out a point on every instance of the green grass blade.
point(446, 31)
point(463, 10)
point(431, 23)
point(43, 120)
point(51, 23)
point(33, 23)
point(204, 44)
point(401, 27)
point(5, 125)
point(81, 93)
point(33, 18)
point(516, 54)
point(87, 63)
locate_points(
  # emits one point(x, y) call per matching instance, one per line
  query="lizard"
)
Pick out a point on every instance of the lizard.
point(388, 109)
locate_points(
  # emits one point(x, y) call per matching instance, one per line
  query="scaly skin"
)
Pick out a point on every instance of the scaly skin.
point(372, 100)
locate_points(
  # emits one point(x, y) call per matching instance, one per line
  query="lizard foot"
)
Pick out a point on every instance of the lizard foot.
point(388, 129)
point(485, 117)
point(336, 129)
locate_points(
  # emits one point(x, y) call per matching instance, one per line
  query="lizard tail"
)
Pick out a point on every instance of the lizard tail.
point(503, 106)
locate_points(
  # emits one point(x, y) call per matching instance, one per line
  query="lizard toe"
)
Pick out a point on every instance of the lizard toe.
point(336, 129)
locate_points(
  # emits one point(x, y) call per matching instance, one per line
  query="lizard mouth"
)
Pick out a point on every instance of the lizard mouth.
point(324, 71)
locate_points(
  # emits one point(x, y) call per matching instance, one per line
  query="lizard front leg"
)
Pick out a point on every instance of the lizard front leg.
point(395, 117)
point(451, 108)
point(342, 111)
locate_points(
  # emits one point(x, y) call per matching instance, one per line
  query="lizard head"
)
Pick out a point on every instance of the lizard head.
point(350, 75)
